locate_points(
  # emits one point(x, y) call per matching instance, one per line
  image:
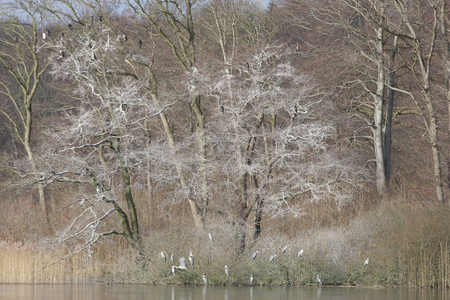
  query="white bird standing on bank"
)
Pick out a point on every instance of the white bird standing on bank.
point(283, 251)
point(251, 278)
point(205, 280)
point(191, 257)
point(174, 270)
point(366, 262)
point(300, 254)
point(163, 255)
point(227, 271)
point(319, 280)
point(255, 254)
point(272, 258)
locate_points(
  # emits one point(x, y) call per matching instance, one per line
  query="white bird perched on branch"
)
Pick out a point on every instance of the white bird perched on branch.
point(300, 254)
point(366, 262)
point(255, 254)
point(191, 257)
point(163, 255)
point(272, 258)
point(283, 251)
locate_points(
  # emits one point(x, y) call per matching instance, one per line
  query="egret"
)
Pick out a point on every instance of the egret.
point(163, 255)
point(283, 251)
point(272, 257)
point(211, 237)
point(300, 254)
point(44, 35)
point(205, 280)
point(251, 278)
point(171, 257)
point(226, 270)
point(255, 254)
point(191, 257)
point(366, 262)
point(174, 270)
point(319, 280)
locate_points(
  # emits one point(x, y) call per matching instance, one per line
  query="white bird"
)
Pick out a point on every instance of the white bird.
point(272, 257)
point(227, 271)
point(255, 254)
point(44, 35)
point(171, 257)
point(251, 278)
point(205, 280)
point(191, 257)
point(319, 280)
point(366, 262)
point(174, 270)
point(283, 251)
point(163, 255)
point(300, 254)
point(183, 263)
point(211, 237)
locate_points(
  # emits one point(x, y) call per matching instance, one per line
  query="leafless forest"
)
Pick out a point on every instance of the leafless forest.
point(223, 127)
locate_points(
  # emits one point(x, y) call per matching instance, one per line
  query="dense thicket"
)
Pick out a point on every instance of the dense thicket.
point(125, 119)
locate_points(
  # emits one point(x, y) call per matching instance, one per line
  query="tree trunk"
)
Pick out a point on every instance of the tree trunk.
point(378, 117)
point(389, 109)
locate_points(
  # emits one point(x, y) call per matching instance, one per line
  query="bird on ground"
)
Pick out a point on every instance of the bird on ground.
point(211, 237)
point(255, 254)
point(251, 278)
point(272, 258)
point(227, 271)
point(171, 257)
point(283, 251)
point(163, 255)
point(319, 280)
point(366, 262)
point(300, 254)
point(174, 270)
point(191, 257)
point(205, 280)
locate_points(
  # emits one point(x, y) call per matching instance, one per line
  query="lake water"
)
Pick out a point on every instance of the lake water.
point(144, 292)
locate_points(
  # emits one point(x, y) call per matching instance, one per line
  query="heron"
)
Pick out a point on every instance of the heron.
point(163, 255)
point(171, 257)
point(319, 280)
point(174, 270)
point(283, 251)
point(272, 258)
point(366, 262)
point(183, 263)
point(205, 280)
point(300, 254)
point(251, 278)
point(255, 254)
point(226, 270)
point(140, 43)
point(191, 257)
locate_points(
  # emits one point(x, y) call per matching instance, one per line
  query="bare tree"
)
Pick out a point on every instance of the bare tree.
point(25, 57)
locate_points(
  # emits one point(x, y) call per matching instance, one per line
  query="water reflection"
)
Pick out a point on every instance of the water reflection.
point(141, 292)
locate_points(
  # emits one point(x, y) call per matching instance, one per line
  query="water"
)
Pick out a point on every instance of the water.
point(144, 292)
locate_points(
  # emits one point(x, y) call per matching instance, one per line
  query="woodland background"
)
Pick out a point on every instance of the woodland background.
point(133, 127)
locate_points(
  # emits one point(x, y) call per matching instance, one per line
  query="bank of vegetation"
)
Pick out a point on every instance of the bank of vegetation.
point(128, 128)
